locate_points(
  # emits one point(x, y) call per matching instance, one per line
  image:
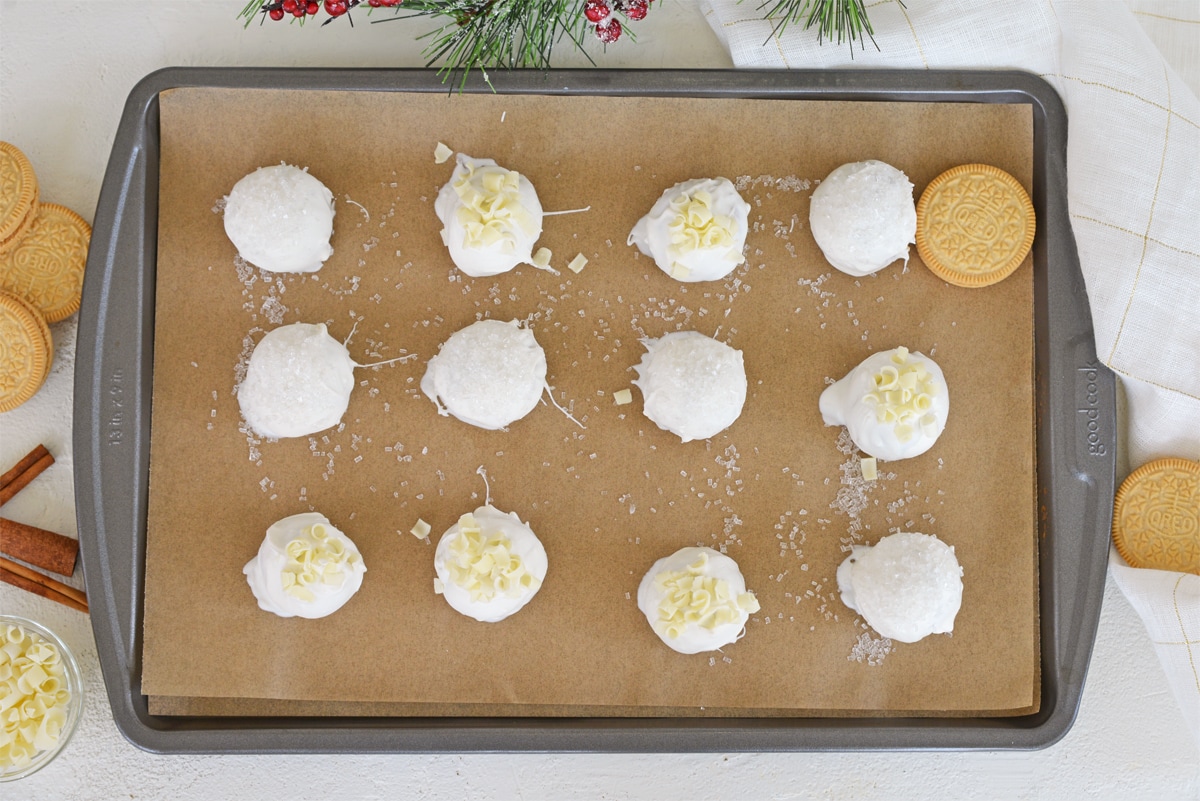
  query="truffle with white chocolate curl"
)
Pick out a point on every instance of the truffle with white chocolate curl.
point(863, 217)
point(491, 217)
point(696, 600)
point(305, 567)
point(489, 565)
point(907, 586)
point(489, 374)
point(695, 231)
point(894, 404)
point(693, 385)
point(280, 219)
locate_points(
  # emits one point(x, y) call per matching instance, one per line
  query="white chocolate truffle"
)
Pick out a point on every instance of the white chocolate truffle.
point(491, 217)
point(907, 586)
point(281, 219)
point(693, 385)
point(696, 600)
point(695, 231)
point(305, 567)
point(489, 564)
point(298, 382)
point(863, 217)
point(894, 404)
point(488, 374)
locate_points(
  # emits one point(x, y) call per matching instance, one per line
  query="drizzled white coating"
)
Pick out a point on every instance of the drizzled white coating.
point(280, 218)
point(849, 402)
point(695, 231)
point(668, 616)
point(298, 382)
point(907, 586)
point(522, 544)
point(491, 217)
point(339, 568)
point(863, 217)
point(693, 385)
point(489, 374)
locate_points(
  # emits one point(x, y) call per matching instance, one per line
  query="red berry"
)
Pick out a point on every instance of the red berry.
point(312, 8)
point(289, 6)
point(335, 8)
point(374, 3)
point(275, 14)
point(609, 32)
point(636, 9)
point(595, 10)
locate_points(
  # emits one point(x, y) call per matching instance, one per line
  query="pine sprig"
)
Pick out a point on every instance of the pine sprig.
point(843, 18)
point(483, 34)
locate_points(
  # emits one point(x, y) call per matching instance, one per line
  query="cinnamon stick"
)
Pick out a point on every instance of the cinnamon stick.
point(52, 584)
point(37, 546)
point(43, 586)
point(24, 471)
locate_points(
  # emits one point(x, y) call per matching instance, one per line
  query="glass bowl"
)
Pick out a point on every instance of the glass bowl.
point(74, 705)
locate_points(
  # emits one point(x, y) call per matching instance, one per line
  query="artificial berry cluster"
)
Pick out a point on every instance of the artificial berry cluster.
point(607, 26)
point(310, 8)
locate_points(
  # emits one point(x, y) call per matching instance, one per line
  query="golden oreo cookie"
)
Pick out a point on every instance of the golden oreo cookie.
point(18, 194)
point(975, 225)
point(1156, 517)
point(25, 351)
point(46, 266)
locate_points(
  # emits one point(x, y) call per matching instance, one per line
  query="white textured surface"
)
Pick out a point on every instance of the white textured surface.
point(65, 71)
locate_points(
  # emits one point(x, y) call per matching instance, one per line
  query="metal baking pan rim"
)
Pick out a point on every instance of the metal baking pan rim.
point(111, 438)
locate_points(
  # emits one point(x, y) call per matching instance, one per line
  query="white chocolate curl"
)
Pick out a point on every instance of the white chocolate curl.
point(491, 217)
point(33, 696)
point(894, 404)
point(305, 567)
point(695, 231)
point(489, 565)
point(696, 600)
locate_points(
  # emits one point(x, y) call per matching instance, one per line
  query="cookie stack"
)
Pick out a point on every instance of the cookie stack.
point(43, 252)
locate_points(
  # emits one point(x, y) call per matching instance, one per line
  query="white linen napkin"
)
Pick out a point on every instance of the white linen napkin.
point(1133, 164)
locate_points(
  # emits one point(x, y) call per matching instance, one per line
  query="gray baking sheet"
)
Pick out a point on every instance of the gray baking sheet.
point(116, 380)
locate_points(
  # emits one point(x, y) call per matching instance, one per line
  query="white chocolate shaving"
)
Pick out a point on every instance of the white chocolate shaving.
point(420, 530)
point(622, 397)
point(695, 226)
point(33, 696)
point(442, 154)
point(903, 396)
point(541, 259)
point(491, 210)
point(691, 598)
point(870, 470)
point(485, 565)
point(314, 557)
point(578, 263)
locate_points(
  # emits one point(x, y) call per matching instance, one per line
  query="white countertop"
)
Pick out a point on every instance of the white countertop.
point(65, 71)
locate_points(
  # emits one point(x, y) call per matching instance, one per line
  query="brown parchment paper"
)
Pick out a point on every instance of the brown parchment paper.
point(606, 501)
